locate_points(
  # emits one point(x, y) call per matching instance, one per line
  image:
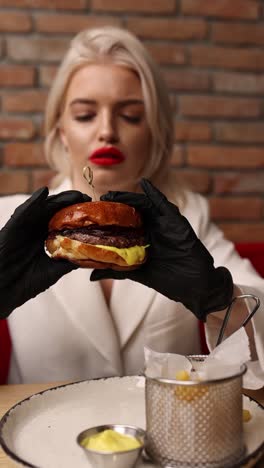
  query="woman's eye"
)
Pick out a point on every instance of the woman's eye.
point(84, 117)
point(134, 119)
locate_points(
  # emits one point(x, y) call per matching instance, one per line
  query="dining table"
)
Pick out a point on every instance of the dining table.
point(12, 394)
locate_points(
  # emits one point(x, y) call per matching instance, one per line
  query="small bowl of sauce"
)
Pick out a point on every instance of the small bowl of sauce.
point(112, 445)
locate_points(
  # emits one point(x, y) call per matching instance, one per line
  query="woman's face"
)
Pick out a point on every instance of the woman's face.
point(103, 125)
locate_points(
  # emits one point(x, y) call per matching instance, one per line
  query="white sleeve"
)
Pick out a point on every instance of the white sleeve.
point(244, 276)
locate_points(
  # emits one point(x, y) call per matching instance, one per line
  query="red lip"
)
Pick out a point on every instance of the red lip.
point(107, 156)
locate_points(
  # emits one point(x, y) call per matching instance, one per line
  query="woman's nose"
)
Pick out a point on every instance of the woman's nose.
point(107, 130)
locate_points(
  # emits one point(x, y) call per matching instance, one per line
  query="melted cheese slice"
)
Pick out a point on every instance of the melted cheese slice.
point(131, 255)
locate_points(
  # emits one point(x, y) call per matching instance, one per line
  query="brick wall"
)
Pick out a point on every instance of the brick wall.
point(212, 56)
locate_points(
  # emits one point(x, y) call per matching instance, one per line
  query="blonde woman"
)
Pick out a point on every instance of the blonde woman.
point(109, 108)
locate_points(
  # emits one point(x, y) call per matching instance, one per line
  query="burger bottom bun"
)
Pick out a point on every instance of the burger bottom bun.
point(86, 255)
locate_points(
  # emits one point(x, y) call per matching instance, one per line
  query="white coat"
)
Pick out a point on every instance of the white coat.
point(69, 333)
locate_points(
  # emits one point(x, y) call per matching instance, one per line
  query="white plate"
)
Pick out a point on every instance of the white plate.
point(41, 430)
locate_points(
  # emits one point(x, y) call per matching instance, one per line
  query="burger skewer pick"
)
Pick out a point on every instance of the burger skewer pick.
point(89, 179)
point(97, 234)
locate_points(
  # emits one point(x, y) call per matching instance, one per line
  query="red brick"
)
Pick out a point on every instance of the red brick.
point(173, 102)
point(217, 106)
point(192, 131)
point(220, 157)
point(47, 4)
point(32, 49)
point(41, 178)
point(181, 80)
point(20, 129)
point(47, 74)
point(239, 182)
point(247, 9)
point(155, 6)
point(238, 34)
point(230, 58)
point(15, 22)
point(246, 83)
point(24, 154)
point(167, 53)
point(243, 232)
point(59, 23)
point(240, 132)
point(197, 181)
point(16, 75)
point(14, 182)
point(25, 101)
point(179, 29)
point(241, 208)
point(41, 126)
point(177, 158)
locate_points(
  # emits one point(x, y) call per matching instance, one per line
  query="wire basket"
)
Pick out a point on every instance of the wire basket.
point(194, 424)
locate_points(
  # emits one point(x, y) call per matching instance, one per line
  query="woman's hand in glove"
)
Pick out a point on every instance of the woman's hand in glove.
point(25, 268)
point(178, 264)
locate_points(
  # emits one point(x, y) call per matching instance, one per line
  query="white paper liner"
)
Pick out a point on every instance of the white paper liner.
point(224, 361)
point(164, 365)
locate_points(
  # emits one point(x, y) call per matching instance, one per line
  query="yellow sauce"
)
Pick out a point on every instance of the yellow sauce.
point(131, 255)
point(110, 441)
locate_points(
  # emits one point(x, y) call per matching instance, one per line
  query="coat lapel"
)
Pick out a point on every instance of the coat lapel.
point(85, 304)
point(130, 302)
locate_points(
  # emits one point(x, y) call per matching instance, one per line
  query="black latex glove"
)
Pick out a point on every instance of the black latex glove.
point(25, 268)
point(178, 265)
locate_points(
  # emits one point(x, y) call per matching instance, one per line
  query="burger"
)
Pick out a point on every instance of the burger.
point(98, 234)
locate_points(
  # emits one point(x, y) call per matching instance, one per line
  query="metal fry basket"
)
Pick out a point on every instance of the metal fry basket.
point(194, 424)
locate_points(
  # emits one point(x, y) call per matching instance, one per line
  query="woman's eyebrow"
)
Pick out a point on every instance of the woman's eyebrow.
point(82, 101)
point(127, 102)
point(122, 102)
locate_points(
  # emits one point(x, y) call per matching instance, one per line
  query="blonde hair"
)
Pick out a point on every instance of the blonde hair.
point(115, 45)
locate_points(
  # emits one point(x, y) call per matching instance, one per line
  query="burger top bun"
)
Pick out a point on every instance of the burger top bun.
point(99, 212)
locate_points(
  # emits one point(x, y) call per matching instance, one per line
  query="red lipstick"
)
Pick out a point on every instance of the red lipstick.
point(107, 156)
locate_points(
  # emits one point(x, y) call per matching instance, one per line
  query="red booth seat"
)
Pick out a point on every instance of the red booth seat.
point(254, 252)
point(5, 351)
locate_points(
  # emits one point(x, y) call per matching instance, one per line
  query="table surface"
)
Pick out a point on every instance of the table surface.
point(12, 394)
